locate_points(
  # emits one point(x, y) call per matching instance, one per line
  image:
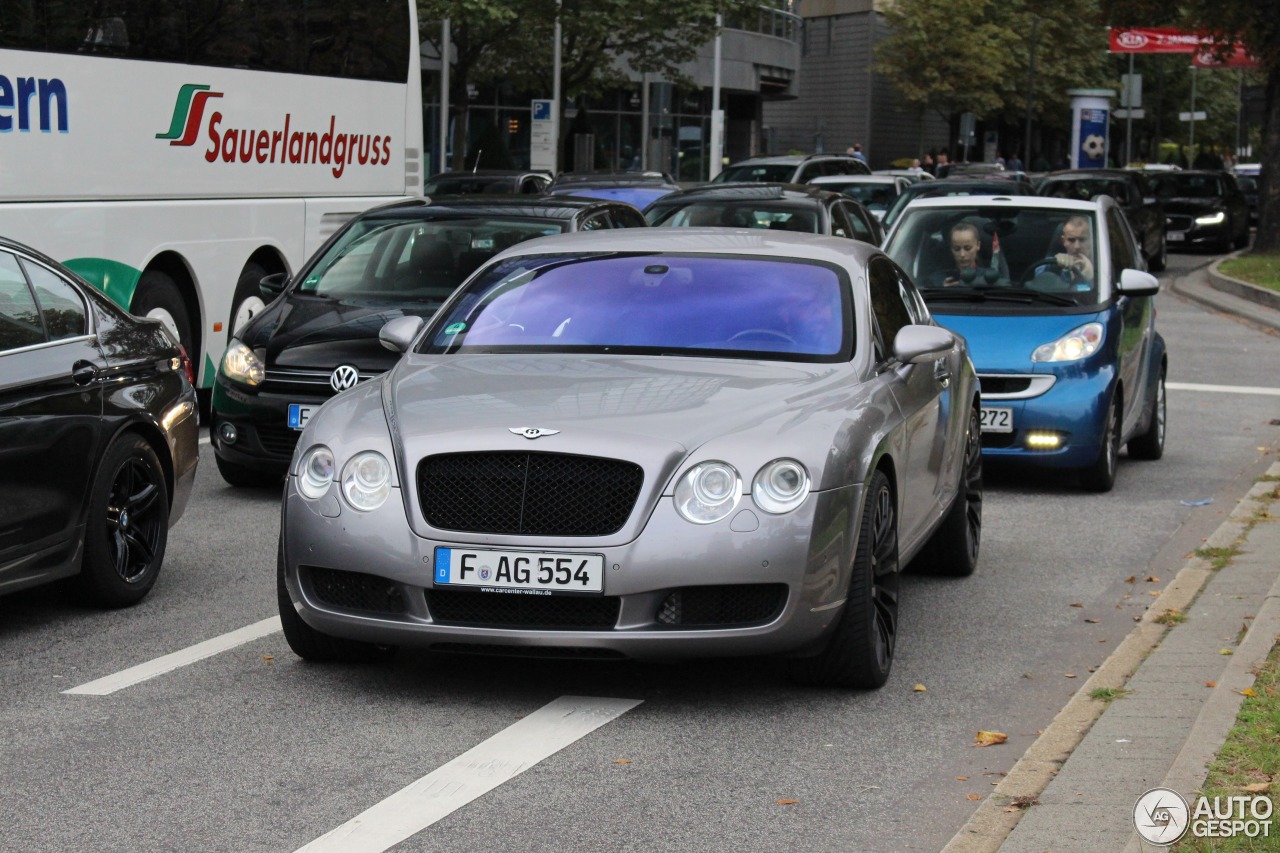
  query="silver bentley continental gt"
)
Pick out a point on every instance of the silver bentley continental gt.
point(643, 444)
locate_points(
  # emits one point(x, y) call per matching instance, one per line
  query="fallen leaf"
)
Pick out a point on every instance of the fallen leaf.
point(975, 797)
point(920, 688)
point(1225, 652)
point(787, 802)
point(1153, 592)
point(1130, 579)
point(991, 738)
point(1211, 684)
point(623, 761)
point(1248, 691)
point(1093, 621)
point(1152, 579)
point(1069, 675)
point(1137, 619)
point(1077, 604)
point(962, 778)
point(1257, 788)
point(268, 657)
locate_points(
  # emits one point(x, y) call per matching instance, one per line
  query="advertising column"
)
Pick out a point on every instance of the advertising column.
point(1090, 118)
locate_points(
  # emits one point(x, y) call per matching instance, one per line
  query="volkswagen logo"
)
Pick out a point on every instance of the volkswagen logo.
point(533, 432)
point(344, 376)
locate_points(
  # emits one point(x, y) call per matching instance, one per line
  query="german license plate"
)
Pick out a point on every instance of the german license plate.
point(997, 419)
point(530, 572)
point(1176, 237)
point(299, 414)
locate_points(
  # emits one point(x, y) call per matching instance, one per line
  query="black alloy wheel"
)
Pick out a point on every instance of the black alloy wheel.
point(128, 524)
point(953, 548)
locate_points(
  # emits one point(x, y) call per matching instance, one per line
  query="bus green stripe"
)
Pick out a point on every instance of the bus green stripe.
point(180, 109)
point(113, 278)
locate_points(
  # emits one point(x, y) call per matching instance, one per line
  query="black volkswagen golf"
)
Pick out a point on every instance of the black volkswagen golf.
point(98, 434)
point(320, 336)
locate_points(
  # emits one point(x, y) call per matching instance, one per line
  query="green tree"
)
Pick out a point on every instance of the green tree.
point(1255, 24)
point(513, 40)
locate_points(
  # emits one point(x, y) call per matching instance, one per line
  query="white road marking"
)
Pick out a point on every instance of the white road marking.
point(476, 772)
point(1223, 389)
point(204, 439)
point(168, 663)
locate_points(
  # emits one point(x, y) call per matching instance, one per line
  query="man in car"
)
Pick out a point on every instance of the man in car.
point(1076, 263)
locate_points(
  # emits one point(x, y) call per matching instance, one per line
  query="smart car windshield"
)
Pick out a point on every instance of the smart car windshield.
point(414, 259)
point(668, 304)
point(1000, 256)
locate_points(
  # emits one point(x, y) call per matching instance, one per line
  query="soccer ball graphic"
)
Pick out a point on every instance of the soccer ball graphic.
point(1093, 147)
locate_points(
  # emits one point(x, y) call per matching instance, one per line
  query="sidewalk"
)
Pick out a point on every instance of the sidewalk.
point(1075, 789)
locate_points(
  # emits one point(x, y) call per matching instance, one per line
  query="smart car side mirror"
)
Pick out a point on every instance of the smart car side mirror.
point(915, 344)
point(272, 285)
point(398, 334)
point(1138, 283)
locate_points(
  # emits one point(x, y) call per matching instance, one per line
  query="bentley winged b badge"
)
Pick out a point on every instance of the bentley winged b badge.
point(532, 432)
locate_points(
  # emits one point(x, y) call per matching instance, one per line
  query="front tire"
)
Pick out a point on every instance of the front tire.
point(128, 527)
point(1101, 475)
point(953, 548)
point(860, 650)
point(309, 644)
point(1150, 445)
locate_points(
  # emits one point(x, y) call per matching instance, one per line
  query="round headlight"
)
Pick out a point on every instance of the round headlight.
point(366, 480)
point(315, 474)
point(708, 492)
point(242, 364)
point(780, 486)
point(1074, 345)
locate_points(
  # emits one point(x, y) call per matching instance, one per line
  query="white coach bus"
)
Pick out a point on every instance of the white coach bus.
point(175, 153)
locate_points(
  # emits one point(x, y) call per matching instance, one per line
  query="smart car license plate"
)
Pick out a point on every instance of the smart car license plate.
point(531, 572)
point(1176, 236)
point(298, 415)
point(997, 419)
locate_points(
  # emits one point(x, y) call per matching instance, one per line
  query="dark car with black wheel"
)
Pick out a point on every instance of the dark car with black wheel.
point(320, 334)
point(98, 435)
point(1203, 208)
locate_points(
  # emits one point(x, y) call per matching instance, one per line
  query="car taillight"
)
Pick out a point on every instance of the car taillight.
point(187, 367)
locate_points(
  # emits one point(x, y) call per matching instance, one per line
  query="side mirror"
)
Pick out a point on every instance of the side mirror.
point(272, 285)
point(915, 344)
point(398, 334)
point(1138, 283)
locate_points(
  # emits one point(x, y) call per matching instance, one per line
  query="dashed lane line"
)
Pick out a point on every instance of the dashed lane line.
point(1223, 389)
point(474, 773)
point(168, 663)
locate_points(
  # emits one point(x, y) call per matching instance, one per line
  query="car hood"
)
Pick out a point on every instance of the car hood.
point(1192, 205)
point(1003, 343)
point(319, 333)
point(655, 411)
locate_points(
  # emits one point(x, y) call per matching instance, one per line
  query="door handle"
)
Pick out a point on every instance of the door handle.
point(83, 373)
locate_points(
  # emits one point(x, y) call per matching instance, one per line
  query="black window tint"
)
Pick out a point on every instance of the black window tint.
point(20, 324)
point(887, 300)
point(861, 228)
point(328, 38)
point(1121, 243)
point(60, 305)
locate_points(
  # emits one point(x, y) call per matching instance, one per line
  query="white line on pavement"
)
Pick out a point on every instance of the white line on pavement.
point(1223, 389)
point(476, 772)
point(191, 654)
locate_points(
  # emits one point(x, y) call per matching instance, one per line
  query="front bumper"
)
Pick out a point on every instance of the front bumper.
point(1072, 409)
point(751, 584)
point(1182, 230)
point(264, 439)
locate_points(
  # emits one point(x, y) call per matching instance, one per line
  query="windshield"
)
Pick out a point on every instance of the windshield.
point(659, 304)
point(877, 196)
point(770, 173)
point(778, 216)
point(414, 259)
point(1181, 185)
point(987, 254)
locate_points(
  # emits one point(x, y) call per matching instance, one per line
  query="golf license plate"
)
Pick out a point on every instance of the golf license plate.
point(299, 414)
point(997, 419)
point(530, 572)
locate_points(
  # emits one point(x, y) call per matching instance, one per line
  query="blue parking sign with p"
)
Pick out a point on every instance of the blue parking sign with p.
point(542, 110)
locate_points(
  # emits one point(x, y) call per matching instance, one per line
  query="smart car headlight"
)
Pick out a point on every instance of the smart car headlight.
point(1073, 346)
point(315, 473)
point(366, 480)
point(1212, 219)
point(708, 492)
point(780, 486)
point(242, 364)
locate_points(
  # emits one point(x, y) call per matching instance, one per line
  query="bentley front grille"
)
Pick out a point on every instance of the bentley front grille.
point(534, 494)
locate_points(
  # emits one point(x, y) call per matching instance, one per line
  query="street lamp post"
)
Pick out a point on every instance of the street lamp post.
point(555, 93)
point(444, 95)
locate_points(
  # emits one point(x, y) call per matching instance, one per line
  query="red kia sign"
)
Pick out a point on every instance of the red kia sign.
point(1156, 40)
point(1237, 57)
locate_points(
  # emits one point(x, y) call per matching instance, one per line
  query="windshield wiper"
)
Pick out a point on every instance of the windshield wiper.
point(1000, 294)
point(1029, 296)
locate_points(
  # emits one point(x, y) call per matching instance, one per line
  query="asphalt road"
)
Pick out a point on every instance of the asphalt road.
point(250, 749)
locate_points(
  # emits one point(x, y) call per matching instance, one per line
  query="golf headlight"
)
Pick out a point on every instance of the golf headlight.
point(242, 364)
point(780, 486)
point(708, 492)
point(366, 480)
point(1073, 346)
point(315, 474)
point(1212, 218)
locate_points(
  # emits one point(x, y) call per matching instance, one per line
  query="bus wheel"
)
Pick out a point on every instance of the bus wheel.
point(157, 297)
point(247, 302)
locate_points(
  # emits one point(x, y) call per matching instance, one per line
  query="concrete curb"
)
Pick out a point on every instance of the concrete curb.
point(1242, 289)
point(1197, 285)
point(998, 815)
